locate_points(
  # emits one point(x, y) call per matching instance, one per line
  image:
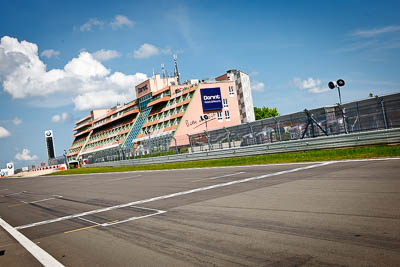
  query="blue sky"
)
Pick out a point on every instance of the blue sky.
point(60, 59)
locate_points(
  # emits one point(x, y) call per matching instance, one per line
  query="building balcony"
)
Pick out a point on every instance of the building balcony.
point(159, 100)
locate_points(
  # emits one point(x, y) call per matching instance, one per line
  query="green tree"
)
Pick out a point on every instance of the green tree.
point(264, 112)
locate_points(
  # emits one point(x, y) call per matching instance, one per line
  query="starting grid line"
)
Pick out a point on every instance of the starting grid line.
point(68, 217)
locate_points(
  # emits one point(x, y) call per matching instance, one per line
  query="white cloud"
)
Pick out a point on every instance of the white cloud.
point(25, 155)
point(17, 121)
point(91, 24)
point(120, 21)
point(105, 55)
point(146, 50)
point(310, 84)
point(24, 75)
point(49, 53)
point(376, 31)
point(60, 117)
point(86, 66)
point(4, 133)
point(257, 86)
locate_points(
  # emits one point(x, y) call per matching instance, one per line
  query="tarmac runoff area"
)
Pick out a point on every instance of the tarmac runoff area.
point(314, 214)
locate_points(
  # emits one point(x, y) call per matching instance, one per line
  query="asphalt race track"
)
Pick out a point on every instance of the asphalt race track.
point(321, 214)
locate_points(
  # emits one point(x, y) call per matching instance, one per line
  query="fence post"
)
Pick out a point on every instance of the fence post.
point(278, 128)
point(252, 134)
point(229, 136)
point(358, 117)
point(208, 140)
point(190, 142)
point(384, 114)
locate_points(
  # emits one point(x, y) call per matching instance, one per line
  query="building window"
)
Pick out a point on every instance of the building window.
point(231, 93)
point(227, 116)
point(219, 114)
point(225, 103)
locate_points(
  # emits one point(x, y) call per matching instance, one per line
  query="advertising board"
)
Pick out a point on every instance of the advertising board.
point(211, 99)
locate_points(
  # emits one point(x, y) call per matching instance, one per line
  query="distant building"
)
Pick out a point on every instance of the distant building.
point(51, 154)
point(243, 90)
point(163, 115)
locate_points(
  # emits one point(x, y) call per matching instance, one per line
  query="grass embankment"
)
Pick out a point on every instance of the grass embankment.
point(305, 156)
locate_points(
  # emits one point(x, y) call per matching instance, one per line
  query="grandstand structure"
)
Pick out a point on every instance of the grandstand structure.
point(163, 115)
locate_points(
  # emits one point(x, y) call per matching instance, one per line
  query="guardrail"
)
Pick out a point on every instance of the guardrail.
point(390, 136)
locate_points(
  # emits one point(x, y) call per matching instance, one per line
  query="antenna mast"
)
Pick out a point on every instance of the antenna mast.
point(163, 71)
point(176, 72)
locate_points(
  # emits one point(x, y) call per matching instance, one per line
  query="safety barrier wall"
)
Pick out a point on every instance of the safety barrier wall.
point(390, 136)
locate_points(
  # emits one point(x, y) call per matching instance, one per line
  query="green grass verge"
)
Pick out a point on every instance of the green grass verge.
point(306, 156)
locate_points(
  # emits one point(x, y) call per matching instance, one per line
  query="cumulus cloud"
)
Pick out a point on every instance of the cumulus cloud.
point(23, 75)
point(149, 50)
point(310, 84)
point(4, 133)
point(25, 155)
point(120, 21)
point(105, 55)
point(376, 31)
point(257, 86)
point(91, 24)
point(60, 117)
point(17, 121)
point(49, 53)
point(146, 50)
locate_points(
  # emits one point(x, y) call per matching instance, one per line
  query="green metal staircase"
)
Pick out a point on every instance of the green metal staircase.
point(140, 120)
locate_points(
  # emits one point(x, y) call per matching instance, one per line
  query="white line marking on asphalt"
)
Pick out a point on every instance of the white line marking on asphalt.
point(171, 195)
point(36, 201)
point(41, 255)
point(83, 219)
point(125, 178)
point(15, 194)
point(157, 212)
point(4, 189)
point(224, 167)
point(217, 177)
point(41, 200)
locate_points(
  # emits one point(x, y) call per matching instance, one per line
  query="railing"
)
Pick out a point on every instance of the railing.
point(390, 136)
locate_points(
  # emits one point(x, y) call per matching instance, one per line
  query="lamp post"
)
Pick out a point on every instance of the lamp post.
point(339, 83)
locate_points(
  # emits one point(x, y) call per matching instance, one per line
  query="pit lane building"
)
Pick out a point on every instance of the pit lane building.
point(165, 113)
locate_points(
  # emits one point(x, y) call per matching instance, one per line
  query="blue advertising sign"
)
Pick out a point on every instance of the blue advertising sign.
point(211, 98)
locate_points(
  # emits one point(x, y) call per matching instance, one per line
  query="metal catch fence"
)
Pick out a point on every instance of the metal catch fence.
point(366, 115)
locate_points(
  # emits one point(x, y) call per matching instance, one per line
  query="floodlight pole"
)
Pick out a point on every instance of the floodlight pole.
point(340, 96)
point(343, 110)
point(338, 84)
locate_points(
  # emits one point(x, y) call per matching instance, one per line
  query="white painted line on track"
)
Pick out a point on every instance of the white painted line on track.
point(125, 178)
point(224, 167)
point(221, 176)
point(187, 169)
point(172, 195)
point(4, 189)
point(36, 201)
point(86, 220)
point(18, 193)
point(157, 212)
point(41, 200)
point(41, 255)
